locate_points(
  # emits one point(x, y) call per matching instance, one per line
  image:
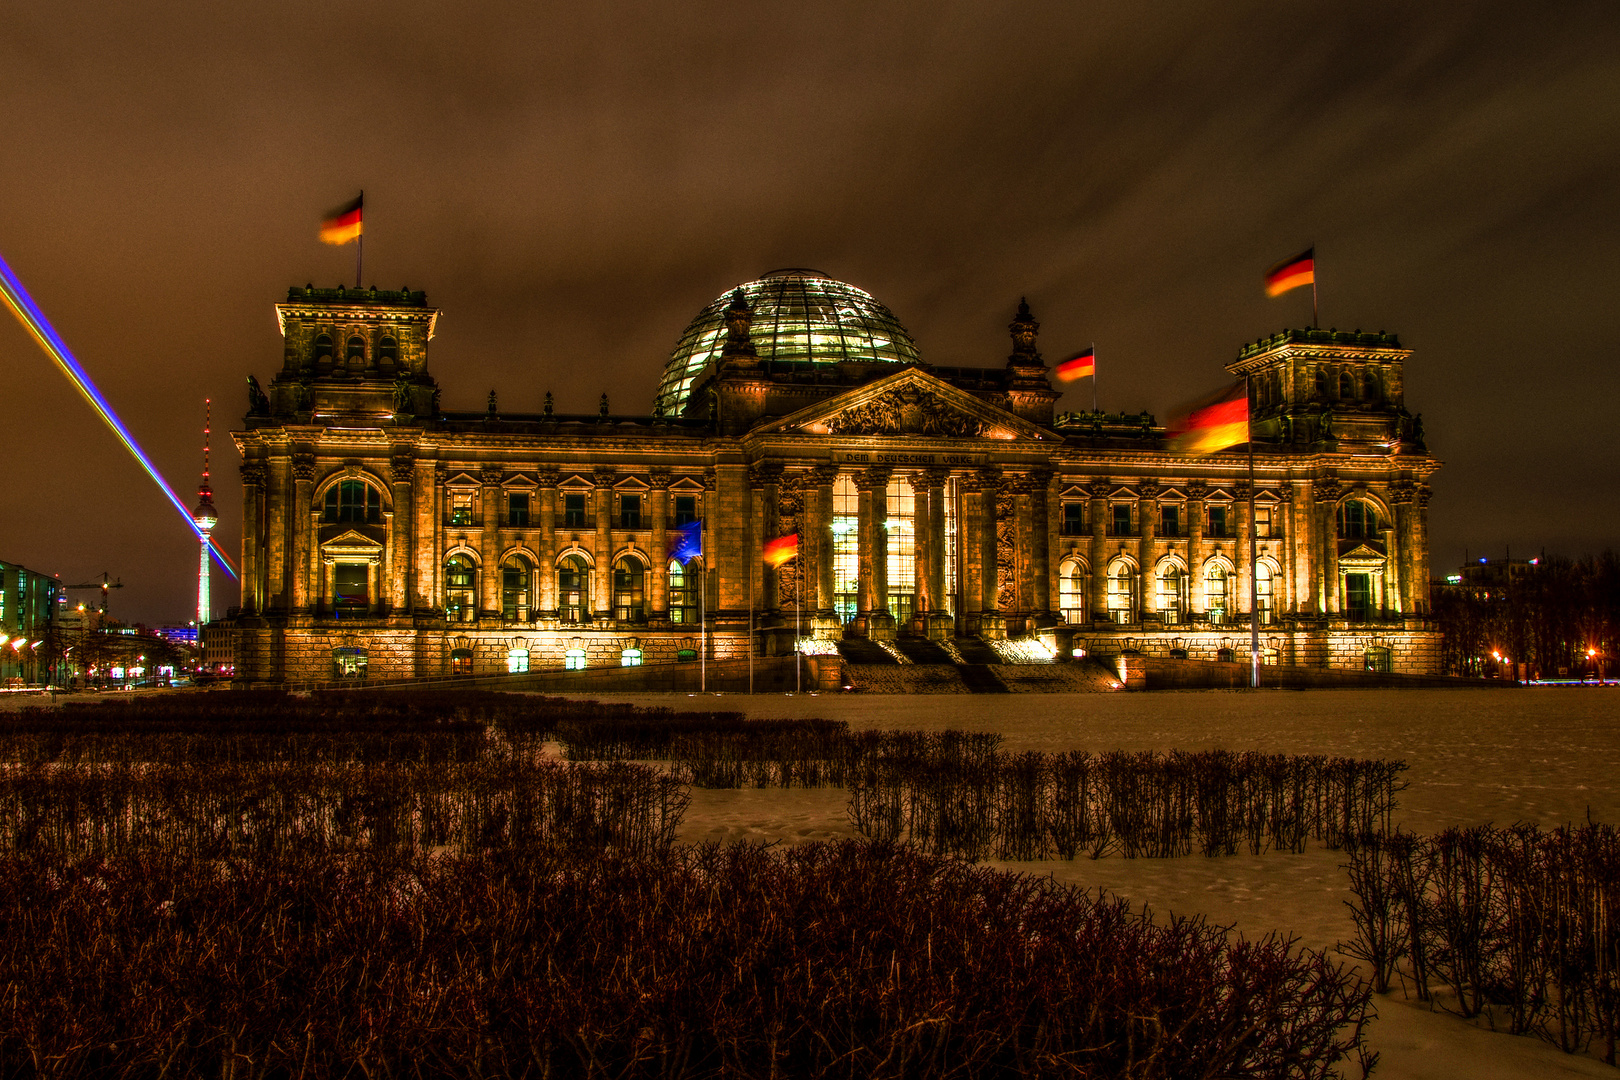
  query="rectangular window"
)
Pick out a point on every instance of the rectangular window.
point(574, 510)
point(461, 508)
point(685, 510)
point(1262, 522)
point(1217, 521)
point(1169, 521)
point(517, 509)
point(349, 583)
point(1074, 519)
point(1122, 520)
point(1358, 596)
point(629, 511)
point(845, 546)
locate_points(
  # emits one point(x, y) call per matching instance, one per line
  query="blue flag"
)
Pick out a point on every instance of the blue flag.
point(686, 542)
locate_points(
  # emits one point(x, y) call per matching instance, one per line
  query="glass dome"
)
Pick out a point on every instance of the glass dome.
point(801, 316)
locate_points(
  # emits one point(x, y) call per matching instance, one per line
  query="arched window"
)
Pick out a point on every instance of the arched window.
point(1170, 586)
point(630, 655)
point(352, 502)
point(515, 581)
point(460, 589)
point(1379, 658)
point(355, 351)
point(1369, 387)
point(573, 590)
point(1224, 655)
point(1358, 520)
point(1347, 386)
point(682, 594)
point(1321, 384)
point(1216, 580)
point(323, 348)
point(1072, 593)
point(517, 661)
point(629, 590)
point(387, 351)
point(1262, 590)
point(574, 657)
point(461, 661)
point(1121, 591)
point(348, 663)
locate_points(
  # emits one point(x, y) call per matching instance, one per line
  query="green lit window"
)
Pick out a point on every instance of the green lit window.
point(352, 501)
point(846, 563)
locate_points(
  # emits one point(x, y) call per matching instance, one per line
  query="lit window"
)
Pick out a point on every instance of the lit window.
point(1215, 582)
point(573, 589)
point(515, 590)
point(1171, 586)
point(1262, 522)
point(461, 508)
point(1263, 590)
point(682, 600)
point(629, 590)
point(574, 660)
point(352, 501)
point(350, 585)
point(348, 663)
point(1072, 593)
point(460, 599)
point(630, 655)
point(461, 662)
point(1121, 591)
point(517, 661)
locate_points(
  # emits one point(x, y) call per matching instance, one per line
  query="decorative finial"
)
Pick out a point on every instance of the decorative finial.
point(1024, 328)
point(739, 321)
point(603, 408)
point(492, 401)
point(547, 409)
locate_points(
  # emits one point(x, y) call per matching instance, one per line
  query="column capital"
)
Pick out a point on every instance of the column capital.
point(603, 477)
point(1147, 490)
point(761, 473)
point(1403, 493)
point(873, 478)
point(937, 476)
point(402, 469)
point(1326, 491)
point(825, 474)
point(1197, 490)
point(303, 467)
point(1099, 489)
point(548, 477)
point(490, 475)
point(1240, 491)
point(659, 480)
point(919, 482)
point(252, 475)
point(1424, 494)
point(989, 476)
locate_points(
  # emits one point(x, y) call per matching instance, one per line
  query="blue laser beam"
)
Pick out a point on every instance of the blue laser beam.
point(34, 321)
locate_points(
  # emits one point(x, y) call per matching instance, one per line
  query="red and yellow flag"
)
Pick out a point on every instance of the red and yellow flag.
point(1078, 366)
point(781, 549)
point(1215, 423)
point(343, 224)
point(1292, 273)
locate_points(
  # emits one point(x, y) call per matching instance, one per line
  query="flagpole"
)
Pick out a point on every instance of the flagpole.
point(751, 571)
point(798, 614)
point(703, 628)
point(360, 244)
point(1093, 376)
point(1254, 554)
point(1316, 320)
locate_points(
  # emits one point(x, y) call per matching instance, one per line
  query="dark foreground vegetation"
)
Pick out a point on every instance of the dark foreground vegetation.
point(958, 793)
point(847, 960)
point(371, 885)
point(1518, 924)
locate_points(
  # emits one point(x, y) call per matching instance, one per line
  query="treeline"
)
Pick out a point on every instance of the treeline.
point(1546, 616)
point(1519, 923)
point(849, 959)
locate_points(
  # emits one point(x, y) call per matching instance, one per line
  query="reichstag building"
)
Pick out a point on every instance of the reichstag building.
point(384, 538)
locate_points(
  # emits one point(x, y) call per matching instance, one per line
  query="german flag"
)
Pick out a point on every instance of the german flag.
point(781, 549)
point(1292, 273)
point(343, 224)
point(1078, 366)
point(1214, 423)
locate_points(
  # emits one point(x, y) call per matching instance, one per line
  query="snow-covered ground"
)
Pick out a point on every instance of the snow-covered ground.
point(1542, 755)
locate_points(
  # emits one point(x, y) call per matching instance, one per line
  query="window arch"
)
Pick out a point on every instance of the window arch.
point(517, 582)
point(573, 589)
point(352, 502)
point(1170, 589)
point(629, 589)
point(1369, 387)
point(323, 348)
point(1217, 584)
point(387, 350)
point(349, 663)
point(460, 589)
point(1122, 591)
point(1358, 520)
point(1347, 385)
point(1264, 582)
point(354, 351)
point(1072, 591)
point(1322, 383)
point(682, 581)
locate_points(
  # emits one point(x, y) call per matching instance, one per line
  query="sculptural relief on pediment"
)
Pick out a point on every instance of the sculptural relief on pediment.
point(906, 410)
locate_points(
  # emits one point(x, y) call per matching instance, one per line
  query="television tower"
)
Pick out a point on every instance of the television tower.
point(206, 518)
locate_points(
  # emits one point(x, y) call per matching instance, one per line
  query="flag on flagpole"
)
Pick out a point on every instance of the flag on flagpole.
point(1292, 273)
point(781, 549)
point(1078, 366)
point(343, 224)
point(686, 542)
point(1214, 423)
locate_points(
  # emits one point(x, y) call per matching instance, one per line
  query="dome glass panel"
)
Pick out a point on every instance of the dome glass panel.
point(800, 316)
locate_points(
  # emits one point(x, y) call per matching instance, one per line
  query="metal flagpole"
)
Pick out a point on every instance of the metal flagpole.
point(1093, 376)
point(1254, 556)
point(703, 628)
point(360, 241)
point(1316, 320)
point(798, 614)
point(751, 628)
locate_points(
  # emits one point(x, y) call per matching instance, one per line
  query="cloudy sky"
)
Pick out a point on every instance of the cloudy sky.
point(571, 182)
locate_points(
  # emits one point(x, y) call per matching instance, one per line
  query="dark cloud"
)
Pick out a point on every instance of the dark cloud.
point(572, 182)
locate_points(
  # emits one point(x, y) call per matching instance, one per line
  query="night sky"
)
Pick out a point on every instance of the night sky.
point(572, 182)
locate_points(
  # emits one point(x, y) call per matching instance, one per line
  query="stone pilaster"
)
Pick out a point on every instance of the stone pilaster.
point(992, 624)
point(1420, 550)
point(658, 580)
point(438, 509)
point(1241, 602)
point(1097, 510)
point(1044, 539)
point(823, 478)
point(1147, 527)
point(547, 498)
point(304, 532)
point(402, 541)
point(765, 486)
point(602, 577)
point(1196, 492)
point(252, 567)
point(1325, 494)
point(489, 552)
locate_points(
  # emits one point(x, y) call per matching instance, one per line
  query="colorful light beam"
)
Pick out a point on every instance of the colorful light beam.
point(34, 321)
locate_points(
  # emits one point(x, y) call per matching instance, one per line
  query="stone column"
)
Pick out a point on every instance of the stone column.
point(922, 531)
point(602, 578)
point(1399, 552)
point(277, 533)
point(252, 566)
point(765, 483)
point(1242, 556)
point(822, 479)
point(1195, 547)
point(1302, 548)
point(439, 510)
point(1420, 549)
point(658, 580)
point(992, 624)
point(303, 537)
point(1326, 496)
point(1044, 539)
point(1147, 522)
point(1097, 511)
point(489, 552)
point(548, 479)
point(1284, 597)
point(401, 542)
point(938, 603)
point(1023, 527)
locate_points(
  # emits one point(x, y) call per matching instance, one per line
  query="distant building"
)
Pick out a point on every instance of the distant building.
point(385, 538)
point(28, 602)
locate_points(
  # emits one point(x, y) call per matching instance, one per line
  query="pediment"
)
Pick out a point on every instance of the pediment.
point(1361, 556)
point(907, 403)
point(575, 482)
point(630, 483)
point(463, 479)
point(519, 482)
point(353, 544)
point(687, 486)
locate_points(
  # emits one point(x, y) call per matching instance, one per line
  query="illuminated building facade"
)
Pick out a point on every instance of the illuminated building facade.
point(28, 603)
point(385, 538)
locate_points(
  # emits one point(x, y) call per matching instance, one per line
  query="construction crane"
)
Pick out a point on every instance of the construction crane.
point(104, 584)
